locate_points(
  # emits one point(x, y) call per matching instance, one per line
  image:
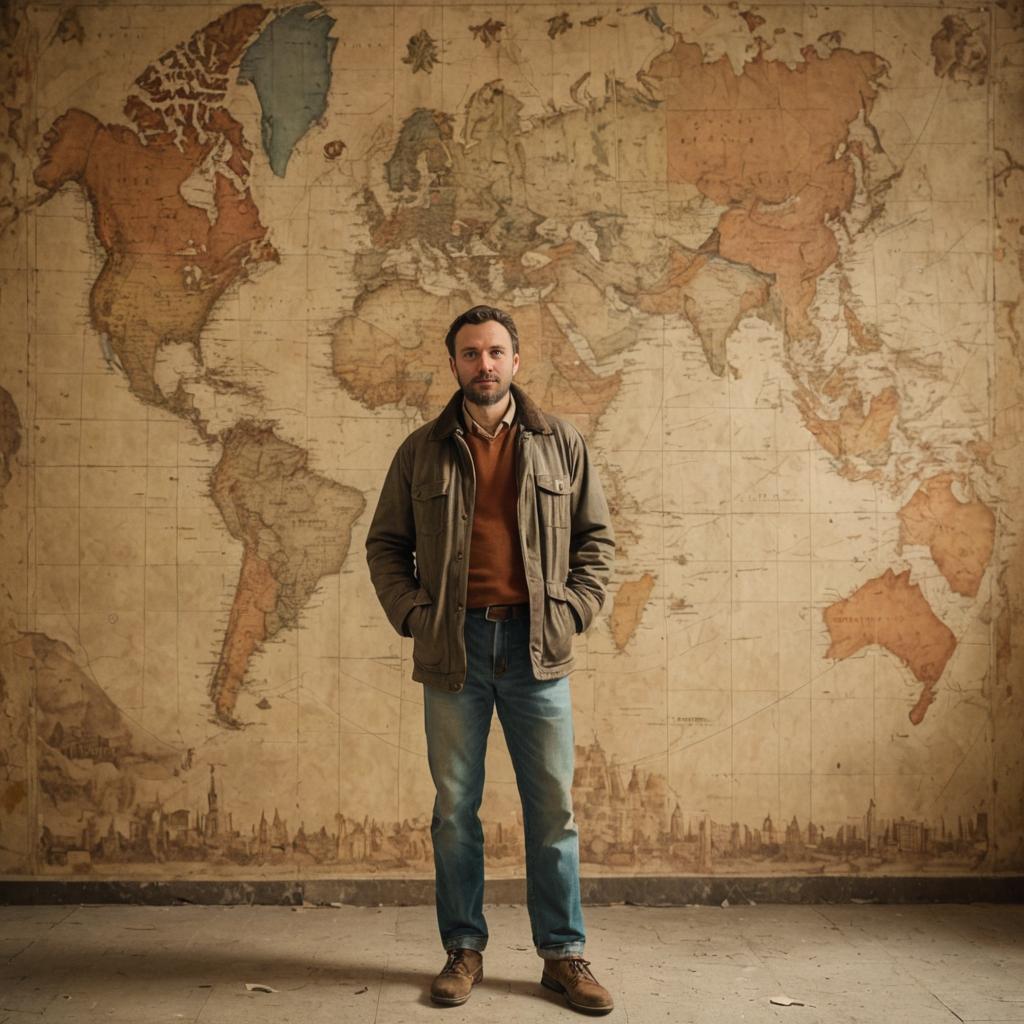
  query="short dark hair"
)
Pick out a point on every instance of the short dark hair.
point(480, 315)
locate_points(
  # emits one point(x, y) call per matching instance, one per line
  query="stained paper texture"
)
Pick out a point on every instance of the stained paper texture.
point(766, 260)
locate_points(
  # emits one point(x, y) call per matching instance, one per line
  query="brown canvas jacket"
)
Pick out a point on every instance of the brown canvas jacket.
point(417, 547)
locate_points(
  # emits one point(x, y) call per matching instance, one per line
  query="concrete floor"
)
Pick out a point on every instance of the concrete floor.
point(934, 964)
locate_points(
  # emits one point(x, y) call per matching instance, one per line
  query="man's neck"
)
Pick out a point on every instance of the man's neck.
point(489, 416)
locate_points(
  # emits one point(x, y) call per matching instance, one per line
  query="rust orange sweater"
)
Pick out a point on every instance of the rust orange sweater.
point(496, 573)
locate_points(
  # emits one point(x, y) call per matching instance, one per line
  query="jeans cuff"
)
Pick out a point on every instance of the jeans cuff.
point(562, 952)
point(475, 942)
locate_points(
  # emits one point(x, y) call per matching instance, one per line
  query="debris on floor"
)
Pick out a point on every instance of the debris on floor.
point(784, 1001)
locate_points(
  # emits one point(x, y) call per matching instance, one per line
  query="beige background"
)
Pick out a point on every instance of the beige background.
point(769, 262)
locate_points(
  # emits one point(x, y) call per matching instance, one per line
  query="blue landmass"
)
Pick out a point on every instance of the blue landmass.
point(289, 65)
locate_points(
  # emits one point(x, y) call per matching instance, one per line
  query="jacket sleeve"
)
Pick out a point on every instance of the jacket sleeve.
point(592, 540)
point(391, 543)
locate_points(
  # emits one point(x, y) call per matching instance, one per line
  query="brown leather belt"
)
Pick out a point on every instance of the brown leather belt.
point(501, 612)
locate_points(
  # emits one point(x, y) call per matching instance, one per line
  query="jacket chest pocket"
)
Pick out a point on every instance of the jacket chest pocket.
point(429, 505)
point(553, 501)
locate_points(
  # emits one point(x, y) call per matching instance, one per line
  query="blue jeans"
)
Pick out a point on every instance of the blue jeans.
point(536, 717)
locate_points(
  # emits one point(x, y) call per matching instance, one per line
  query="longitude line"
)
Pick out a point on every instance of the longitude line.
point(874, 661)
point(394, 115)
point(732, 613)
point(31, 555)
point(145, 568)
point(992, 289)
point(776, 413)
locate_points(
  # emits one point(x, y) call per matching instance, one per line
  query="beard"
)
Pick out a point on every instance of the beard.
point(481, 397)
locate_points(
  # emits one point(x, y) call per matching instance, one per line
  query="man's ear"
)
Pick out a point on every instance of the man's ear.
point(451, 365)
point(515, 364)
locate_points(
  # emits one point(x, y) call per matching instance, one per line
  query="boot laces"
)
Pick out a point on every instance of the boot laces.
point(581, 967)
point(456, 959)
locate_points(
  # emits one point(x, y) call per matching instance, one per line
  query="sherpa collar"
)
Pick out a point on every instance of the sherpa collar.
point(528, 414)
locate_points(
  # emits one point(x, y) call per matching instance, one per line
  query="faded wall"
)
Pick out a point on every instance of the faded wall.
point(767, 260)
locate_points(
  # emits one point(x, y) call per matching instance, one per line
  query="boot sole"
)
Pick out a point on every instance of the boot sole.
point(554, 986)
point(456, 1000)
point(443, 1001)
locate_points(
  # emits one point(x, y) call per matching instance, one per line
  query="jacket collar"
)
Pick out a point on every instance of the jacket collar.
point(528, 413)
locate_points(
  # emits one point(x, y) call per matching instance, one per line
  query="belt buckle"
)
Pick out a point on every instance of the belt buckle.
point(504, 613)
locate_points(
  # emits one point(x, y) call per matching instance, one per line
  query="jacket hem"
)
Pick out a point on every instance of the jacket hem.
point(444, 680)
point(545, 672)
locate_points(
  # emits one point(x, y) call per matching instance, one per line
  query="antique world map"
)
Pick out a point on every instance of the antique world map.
point(765, 258)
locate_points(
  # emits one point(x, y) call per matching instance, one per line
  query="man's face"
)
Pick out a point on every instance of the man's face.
point(484, 363)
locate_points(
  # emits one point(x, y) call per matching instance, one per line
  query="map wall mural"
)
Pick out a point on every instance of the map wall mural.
point(767, 259)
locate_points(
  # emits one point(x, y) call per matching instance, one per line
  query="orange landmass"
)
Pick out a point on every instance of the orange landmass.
point(12, 794)
point(892, 612)
point(10, 438)
point(835, 384)
point(865, 336)
point(295, 526)
point(959, 534)
point(167, 261)
point(630, 602)
point(391, 351)
point(769, 145)
point(855, 432)
point(713, 294)
point(255, 597)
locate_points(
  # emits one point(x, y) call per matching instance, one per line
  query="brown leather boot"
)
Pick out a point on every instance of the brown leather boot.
point(581, 989)
point(454, 985)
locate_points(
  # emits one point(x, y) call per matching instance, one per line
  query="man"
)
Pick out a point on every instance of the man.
point(491, 547)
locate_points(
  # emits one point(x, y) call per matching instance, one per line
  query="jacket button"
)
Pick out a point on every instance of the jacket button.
point(459, 556)
point(464, 517)
point(459, 608)
point(454, 687)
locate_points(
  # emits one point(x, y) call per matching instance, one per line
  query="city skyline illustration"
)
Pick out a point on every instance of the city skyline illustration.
point(626, 825)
